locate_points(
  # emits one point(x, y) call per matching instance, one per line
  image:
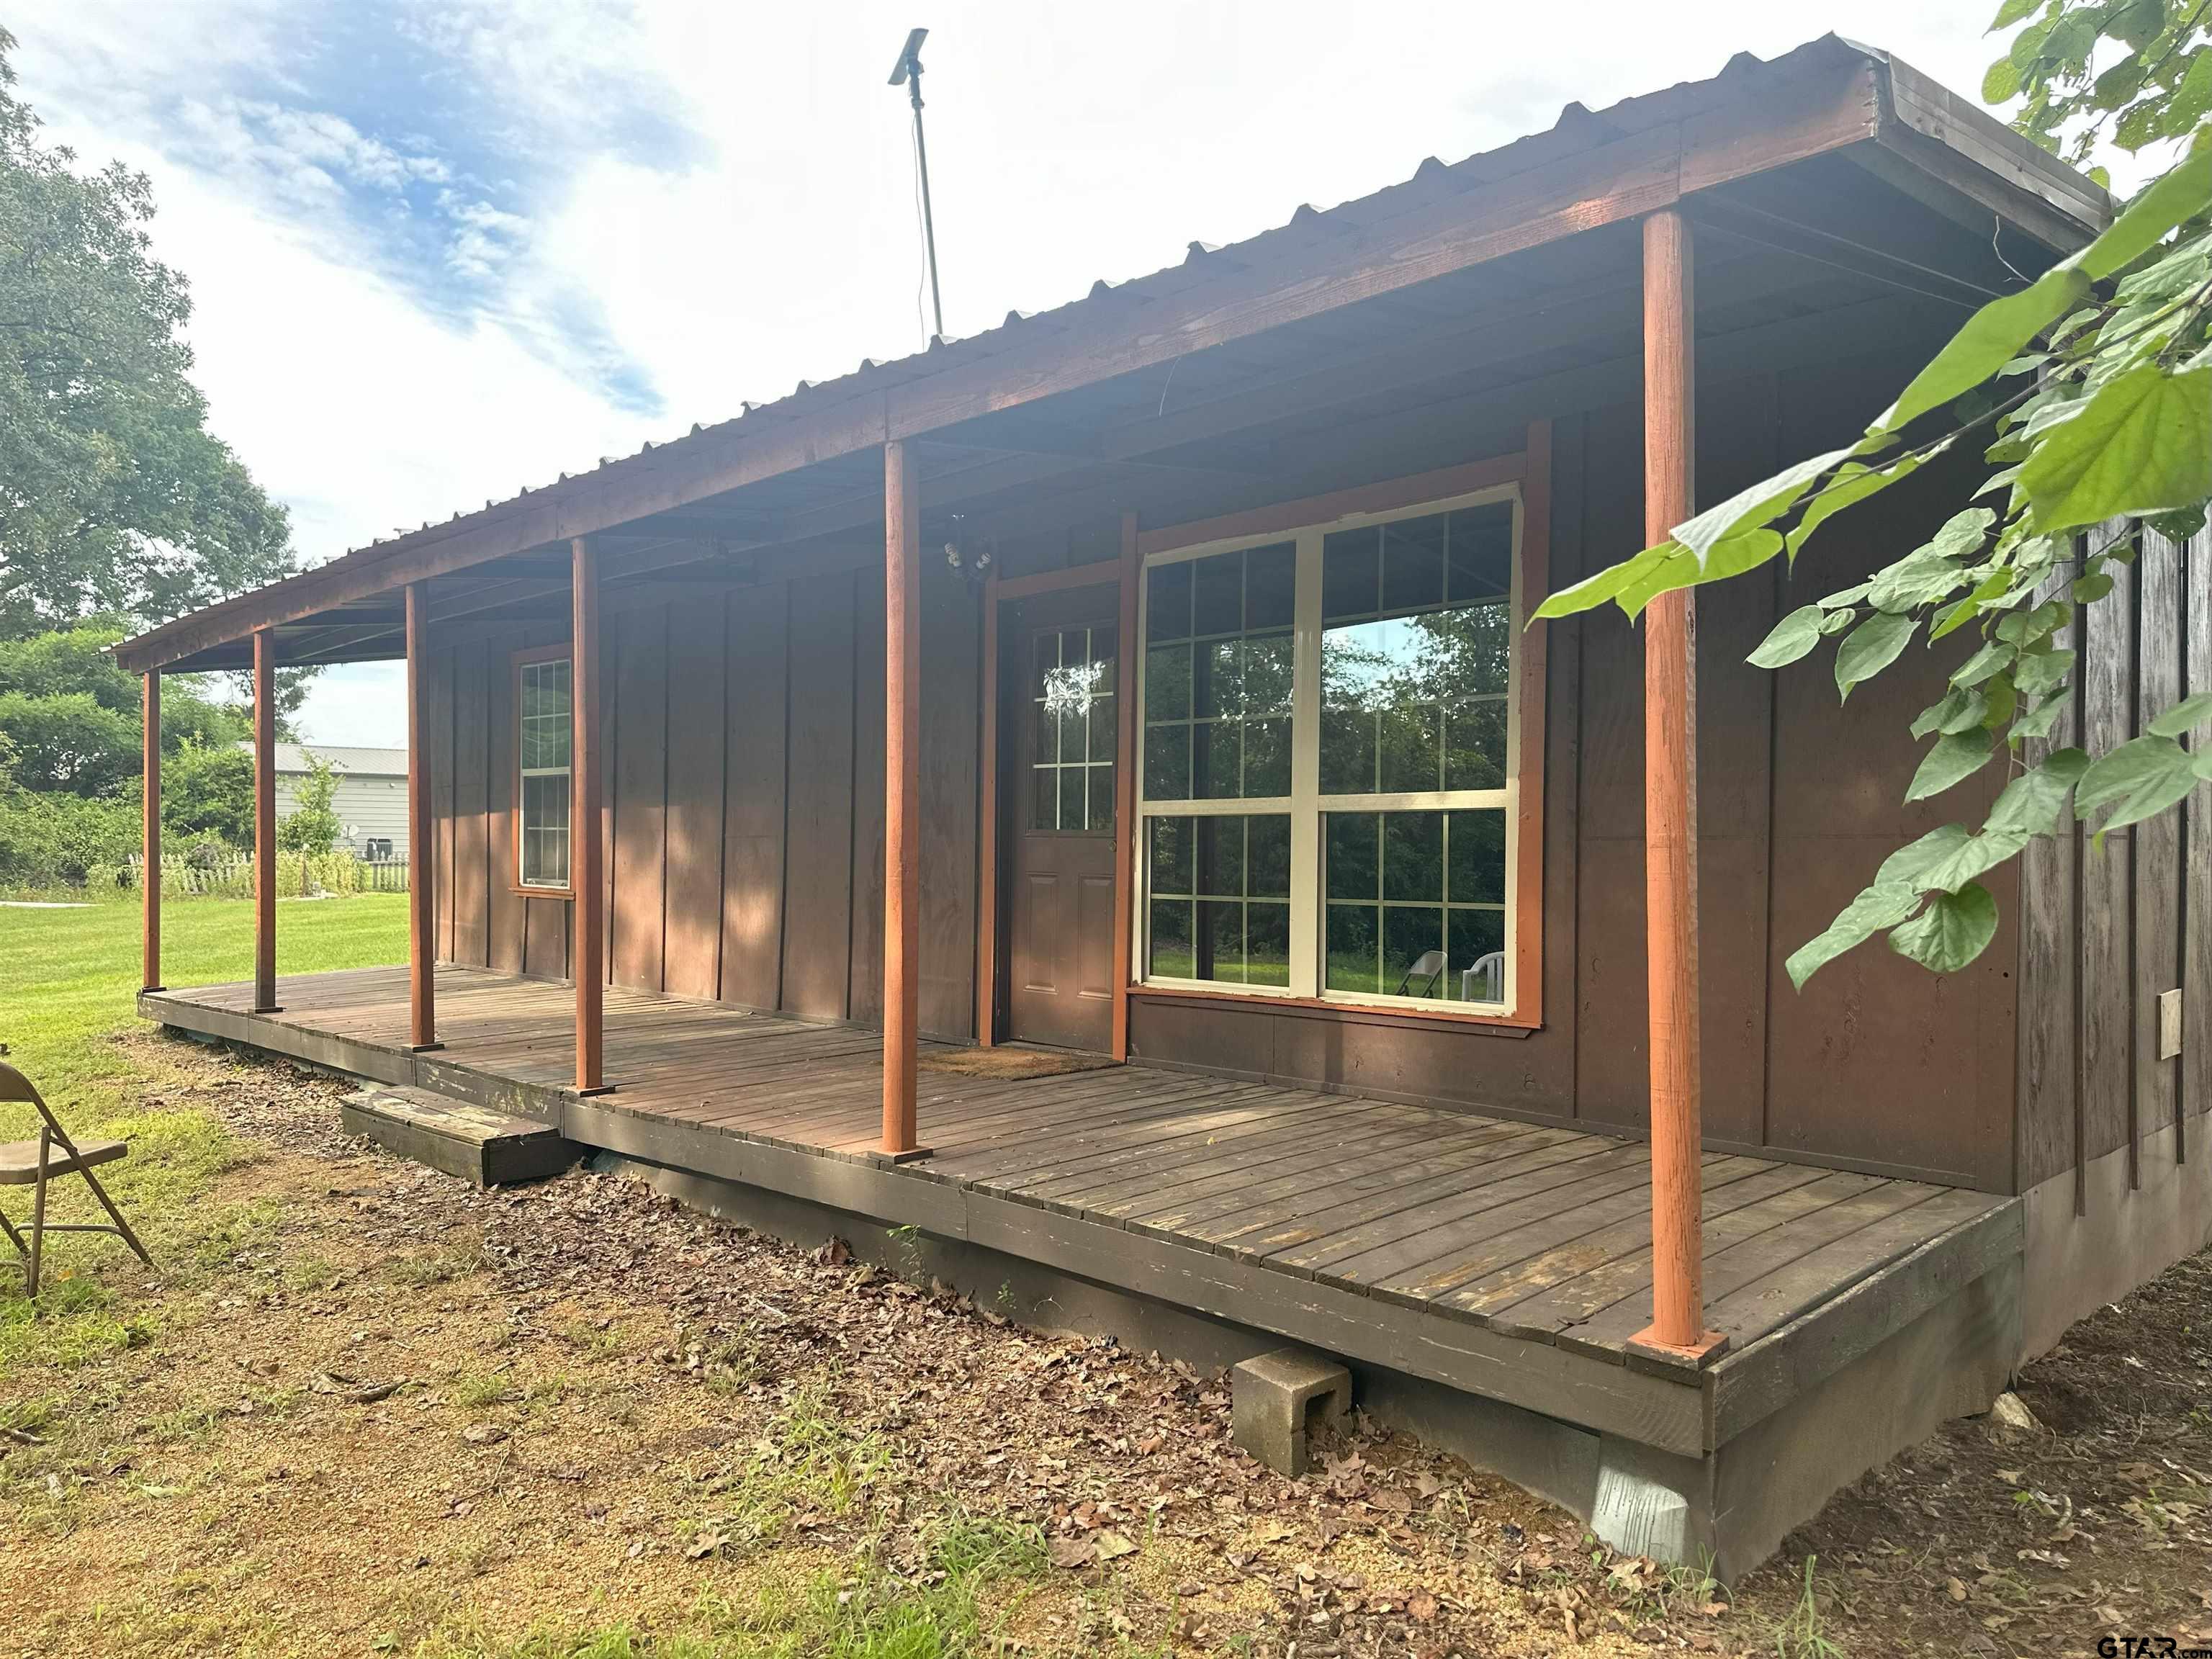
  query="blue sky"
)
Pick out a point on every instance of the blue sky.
point(440, 249)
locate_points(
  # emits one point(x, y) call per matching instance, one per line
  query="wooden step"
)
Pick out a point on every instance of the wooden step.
point(490, 1148)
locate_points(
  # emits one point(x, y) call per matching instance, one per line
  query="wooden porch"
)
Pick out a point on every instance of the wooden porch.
point(1506, 1259)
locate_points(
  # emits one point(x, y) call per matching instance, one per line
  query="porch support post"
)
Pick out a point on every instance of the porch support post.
point(264, 822)
point(901, 795)
point(586, 866)
point(150, 872)
point(421, 866)
point(1670, 810)
point(1125, 785)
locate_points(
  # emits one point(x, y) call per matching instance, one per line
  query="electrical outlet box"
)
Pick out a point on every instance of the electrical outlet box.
point(2169, 1024)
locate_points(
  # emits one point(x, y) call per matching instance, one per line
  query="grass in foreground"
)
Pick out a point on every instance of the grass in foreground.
point(67, 978)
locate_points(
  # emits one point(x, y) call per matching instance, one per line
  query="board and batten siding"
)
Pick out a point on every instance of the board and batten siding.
point(1875, 1066)
point(745, 828)
point(744, 806)
point(2115, 927)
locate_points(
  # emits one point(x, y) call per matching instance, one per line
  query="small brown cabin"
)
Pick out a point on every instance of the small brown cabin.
point(1144, 691)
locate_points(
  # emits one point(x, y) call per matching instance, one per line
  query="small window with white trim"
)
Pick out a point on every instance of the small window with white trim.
point(543, 737)
point(1328, 785)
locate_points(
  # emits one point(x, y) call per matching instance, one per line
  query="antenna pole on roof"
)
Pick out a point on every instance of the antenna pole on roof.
point(907, 72)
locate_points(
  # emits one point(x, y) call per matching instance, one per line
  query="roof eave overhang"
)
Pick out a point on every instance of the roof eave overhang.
point(1589, 173)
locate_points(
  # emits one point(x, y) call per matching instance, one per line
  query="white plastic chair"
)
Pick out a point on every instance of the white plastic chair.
point(1490, 971)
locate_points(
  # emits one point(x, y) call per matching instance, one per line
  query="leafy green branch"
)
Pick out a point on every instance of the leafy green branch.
point(2093, 388)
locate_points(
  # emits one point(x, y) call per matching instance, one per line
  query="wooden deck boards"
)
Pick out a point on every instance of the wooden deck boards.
point(1539, 1232)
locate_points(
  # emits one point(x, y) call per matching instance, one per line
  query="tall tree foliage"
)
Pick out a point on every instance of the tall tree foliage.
point(115, 500)
point(2090, 392)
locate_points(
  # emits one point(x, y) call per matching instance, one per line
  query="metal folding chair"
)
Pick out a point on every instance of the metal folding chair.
point(33, 1162)
point(1429, 967)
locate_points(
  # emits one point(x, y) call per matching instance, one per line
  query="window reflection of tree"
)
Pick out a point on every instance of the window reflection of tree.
point(1416, 703)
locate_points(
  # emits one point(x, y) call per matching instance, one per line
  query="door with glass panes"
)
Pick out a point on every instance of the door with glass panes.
point(1058, 783)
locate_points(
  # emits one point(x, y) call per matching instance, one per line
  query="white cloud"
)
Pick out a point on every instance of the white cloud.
point(1066, 143)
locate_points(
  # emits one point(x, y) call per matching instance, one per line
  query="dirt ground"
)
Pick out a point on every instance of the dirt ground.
point(378, 1411)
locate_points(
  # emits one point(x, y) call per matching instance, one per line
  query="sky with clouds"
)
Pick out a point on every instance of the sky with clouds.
point(439, 249)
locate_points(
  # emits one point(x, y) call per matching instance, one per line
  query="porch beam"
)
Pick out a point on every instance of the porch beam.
point(586, 867)
point(150, 870)
point(1677, 1332)
point(902, 797)
point(421, 864)
point(264, 822)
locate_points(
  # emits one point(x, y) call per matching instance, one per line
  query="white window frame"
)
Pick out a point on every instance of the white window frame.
point(1305, 804)
point(523, 884)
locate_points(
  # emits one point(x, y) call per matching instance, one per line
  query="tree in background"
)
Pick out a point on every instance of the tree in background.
point(207, 792)
point(115, 500)
point(312, 826)
point(118, 509)
point(2090, 392)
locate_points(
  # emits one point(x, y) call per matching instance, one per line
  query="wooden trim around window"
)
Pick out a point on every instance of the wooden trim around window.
point(1530, 470)
point(1315, 512)
point(1535, 555)
point(555, 652)
point(1372, 1013)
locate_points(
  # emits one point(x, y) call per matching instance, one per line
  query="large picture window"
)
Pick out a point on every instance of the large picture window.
point(542, 735)
point(1328, 783)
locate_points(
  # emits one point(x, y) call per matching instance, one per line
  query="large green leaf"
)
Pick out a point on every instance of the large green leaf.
point(1761, 504)
point(1980, 854)
point(2142, 444)
point(1747, 550)
point(1991, 337)
point(1912, 861)
point(2183, 717)
point(1793, 636)
point(1853, 482)
point(1884, 904)
point(1870, 647)
point(2148, 765)
point(2030, 803)
point(1951, 931)
point(2180, 194)
point(1957, 756)
point(1919, 578)
point(1594, 591)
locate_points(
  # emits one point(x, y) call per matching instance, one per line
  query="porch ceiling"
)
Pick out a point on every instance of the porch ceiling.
point(1475, 297)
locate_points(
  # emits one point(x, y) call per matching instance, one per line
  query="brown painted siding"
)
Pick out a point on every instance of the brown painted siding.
point(744, 810)
point(1875, 1065)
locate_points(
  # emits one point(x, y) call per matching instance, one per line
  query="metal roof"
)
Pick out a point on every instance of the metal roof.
point(365, 762)
point(1915, 103)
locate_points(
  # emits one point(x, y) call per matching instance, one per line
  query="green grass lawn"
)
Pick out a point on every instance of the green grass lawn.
point(67, 977)
point(68, 982)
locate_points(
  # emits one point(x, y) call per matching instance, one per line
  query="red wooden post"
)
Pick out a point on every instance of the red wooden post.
point(264, 822)
point(586, 866)
point(901, 795)
point(150, 875)
point(1670, 808)
point(986, 897)
point(1124, 785)
point(422, 871)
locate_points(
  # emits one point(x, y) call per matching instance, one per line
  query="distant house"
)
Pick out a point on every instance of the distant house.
point(371, 800)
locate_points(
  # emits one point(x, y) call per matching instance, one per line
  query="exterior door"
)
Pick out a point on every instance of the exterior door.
point(1057, 781)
